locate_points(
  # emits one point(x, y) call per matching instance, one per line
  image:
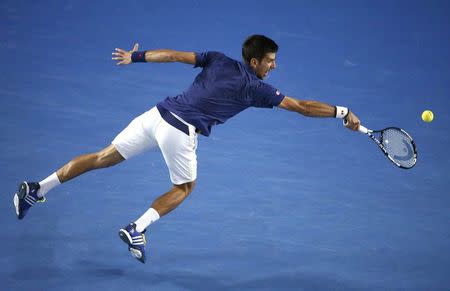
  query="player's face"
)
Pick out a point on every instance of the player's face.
point(263, 67)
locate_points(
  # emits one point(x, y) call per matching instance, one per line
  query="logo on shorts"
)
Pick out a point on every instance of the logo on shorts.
point(277, 92)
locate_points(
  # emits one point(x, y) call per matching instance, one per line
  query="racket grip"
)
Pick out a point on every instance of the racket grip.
point(361, 128)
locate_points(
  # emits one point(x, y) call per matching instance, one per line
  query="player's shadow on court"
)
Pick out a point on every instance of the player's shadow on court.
point(145, 277)
point(98, 270)
point(295, 281)
point(186, 280)
point(276, 281)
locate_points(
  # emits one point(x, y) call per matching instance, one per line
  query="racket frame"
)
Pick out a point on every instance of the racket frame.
point(370, 133)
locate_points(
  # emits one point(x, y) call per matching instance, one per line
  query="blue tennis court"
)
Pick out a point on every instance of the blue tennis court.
point(282, 202)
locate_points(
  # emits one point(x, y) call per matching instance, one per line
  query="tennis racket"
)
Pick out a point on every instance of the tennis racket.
point(395, 143)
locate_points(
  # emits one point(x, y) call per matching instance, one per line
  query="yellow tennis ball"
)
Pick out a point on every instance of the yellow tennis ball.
point(427, 116)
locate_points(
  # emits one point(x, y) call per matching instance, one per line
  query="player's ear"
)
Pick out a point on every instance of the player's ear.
point(254, 62)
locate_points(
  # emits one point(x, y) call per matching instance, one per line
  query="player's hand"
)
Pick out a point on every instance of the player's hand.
point(352, 121)
point(124, 57)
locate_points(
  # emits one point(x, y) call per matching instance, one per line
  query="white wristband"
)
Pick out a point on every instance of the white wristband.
point(341, 112)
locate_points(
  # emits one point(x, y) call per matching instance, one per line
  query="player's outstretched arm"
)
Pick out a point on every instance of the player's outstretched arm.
point(156, 56)
point(317, 109)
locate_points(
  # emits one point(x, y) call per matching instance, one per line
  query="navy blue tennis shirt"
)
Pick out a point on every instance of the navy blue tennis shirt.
point(221, 90)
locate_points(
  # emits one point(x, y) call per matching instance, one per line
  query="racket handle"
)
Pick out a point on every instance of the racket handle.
point(361, 128)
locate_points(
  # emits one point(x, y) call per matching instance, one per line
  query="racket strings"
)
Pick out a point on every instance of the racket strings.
point(399, 147)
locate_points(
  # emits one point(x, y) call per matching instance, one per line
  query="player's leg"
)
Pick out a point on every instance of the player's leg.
point(133, 140)
point(107, 157)
point(178, 149)
point(170, 200)
point(31, 192)
point(164, 204)
point(133, 234)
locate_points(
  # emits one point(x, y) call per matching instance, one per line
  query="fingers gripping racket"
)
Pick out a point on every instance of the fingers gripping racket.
point(395, 143)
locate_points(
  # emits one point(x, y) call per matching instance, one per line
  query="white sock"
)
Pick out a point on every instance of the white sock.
point(48, 184)
point(146, 219)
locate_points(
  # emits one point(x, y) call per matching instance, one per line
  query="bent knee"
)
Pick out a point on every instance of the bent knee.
point(187, 188)
point(190, 186)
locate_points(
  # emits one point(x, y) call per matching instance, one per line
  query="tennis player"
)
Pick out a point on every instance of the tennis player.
point(223, 88)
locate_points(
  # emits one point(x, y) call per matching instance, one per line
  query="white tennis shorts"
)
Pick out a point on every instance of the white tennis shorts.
point(150, 131)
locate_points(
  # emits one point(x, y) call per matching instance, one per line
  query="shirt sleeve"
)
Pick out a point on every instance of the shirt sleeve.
point(266, 96)
point(204, 59)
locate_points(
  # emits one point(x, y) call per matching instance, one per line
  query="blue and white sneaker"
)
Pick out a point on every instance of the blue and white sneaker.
point(25, 197)
point(135, 240)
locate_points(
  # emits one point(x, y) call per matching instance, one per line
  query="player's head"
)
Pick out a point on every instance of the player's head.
point(259, 52)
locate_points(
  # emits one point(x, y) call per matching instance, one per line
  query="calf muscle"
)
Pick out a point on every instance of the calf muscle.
point(170, 200)
point(84, 163)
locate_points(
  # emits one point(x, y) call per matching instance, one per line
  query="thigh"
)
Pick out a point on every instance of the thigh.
point(179, 151)
point(139, 135)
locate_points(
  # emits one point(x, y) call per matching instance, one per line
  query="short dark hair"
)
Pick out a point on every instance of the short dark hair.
point(257, 46)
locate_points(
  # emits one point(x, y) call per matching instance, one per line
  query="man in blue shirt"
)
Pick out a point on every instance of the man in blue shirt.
point(222, 89)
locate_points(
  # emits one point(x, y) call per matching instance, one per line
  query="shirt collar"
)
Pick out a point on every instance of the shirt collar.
point(250, 69)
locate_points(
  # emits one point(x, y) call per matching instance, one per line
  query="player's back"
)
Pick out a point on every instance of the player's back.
point(221, 90)
point(223, 81)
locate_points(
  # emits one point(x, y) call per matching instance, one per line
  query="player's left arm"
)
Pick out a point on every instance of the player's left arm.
point(156, 56)
point(317, 109)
